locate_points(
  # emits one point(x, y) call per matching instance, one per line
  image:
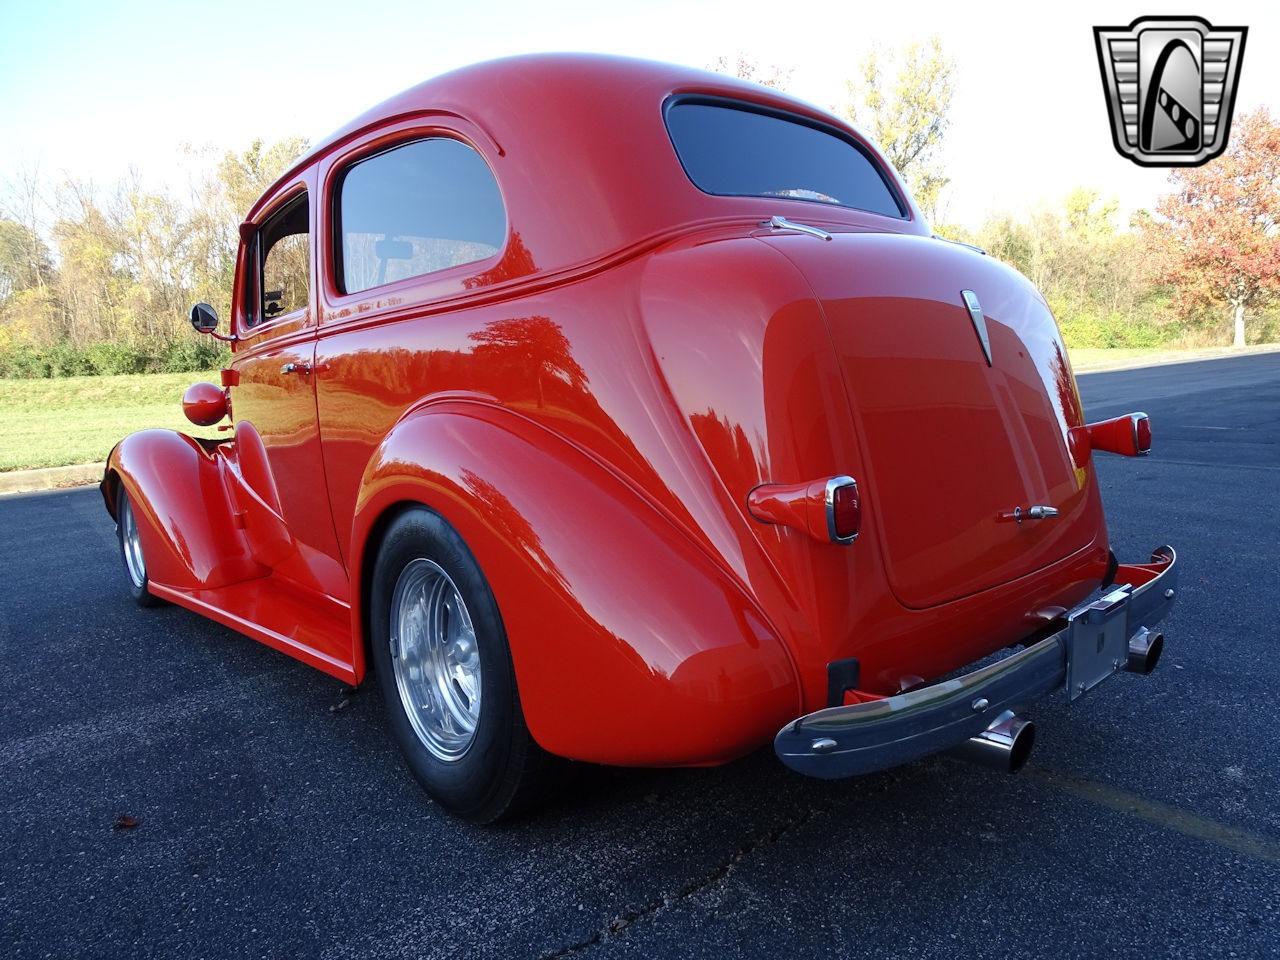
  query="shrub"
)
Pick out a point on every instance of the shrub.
point(25, 362)
point(188, 354)
point(1113, 330)
point(112, 358)
point(67, 361)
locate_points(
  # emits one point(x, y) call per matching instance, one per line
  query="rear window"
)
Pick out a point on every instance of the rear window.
point(738, 152)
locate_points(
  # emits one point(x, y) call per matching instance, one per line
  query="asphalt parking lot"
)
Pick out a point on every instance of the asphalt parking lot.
point(1147, 823)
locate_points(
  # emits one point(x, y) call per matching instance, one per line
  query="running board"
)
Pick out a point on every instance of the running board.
point(307, 626)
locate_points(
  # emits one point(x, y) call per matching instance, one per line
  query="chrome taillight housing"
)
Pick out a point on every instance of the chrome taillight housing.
point(1141, 434)
point(844, 509)
point(829, 510)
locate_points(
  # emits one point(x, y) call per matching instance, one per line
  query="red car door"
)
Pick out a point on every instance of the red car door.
point(288, 520)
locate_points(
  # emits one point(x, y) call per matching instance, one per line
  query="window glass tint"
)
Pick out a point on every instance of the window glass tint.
point(415, 209)
point(286, 262)
point(735, 152)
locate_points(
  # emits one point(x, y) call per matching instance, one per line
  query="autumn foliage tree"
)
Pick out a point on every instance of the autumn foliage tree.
point(1093, 272)
point(1218, 232)
point(903, 100)
point(104, 283)
point(745, 68)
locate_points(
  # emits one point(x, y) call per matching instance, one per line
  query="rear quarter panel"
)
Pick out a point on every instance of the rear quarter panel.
point(630, 644)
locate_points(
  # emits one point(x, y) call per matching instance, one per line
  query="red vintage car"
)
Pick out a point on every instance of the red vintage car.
point(631, 414)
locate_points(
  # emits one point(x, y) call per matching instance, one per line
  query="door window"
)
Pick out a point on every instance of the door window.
point(414, 209)
point(285, 261)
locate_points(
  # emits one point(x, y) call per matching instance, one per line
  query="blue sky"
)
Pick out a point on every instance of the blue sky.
point(93, 89)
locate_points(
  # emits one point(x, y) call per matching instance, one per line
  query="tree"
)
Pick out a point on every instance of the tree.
point(744, 68)
point(24, 260)
point(121, 267)
point(220, 202)
point(244, 177)
point(1095, 275)
point(1218, 232)
point(908, 115)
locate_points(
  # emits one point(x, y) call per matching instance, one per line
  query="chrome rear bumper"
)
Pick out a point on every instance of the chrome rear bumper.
point(1095, 640)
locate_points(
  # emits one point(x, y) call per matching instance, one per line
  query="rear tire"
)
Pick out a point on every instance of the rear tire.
point(443, 664)
point(135, 564)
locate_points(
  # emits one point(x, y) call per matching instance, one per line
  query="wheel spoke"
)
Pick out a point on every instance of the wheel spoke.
point(437, 671)
point(131, 544)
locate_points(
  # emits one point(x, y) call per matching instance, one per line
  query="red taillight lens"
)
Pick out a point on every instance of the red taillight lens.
point(1142, 432)
point(1128, 435)
point(845, 517)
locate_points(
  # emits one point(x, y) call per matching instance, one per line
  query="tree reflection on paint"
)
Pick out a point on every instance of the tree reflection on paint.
point(528, 351)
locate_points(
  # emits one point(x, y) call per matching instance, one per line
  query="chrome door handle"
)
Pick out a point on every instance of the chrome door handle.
point(302, 368)
point(1035, 512)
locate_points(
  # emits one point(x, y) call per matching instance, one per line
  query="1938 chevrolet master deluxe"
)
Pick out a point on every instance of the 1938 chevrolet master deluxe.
point(631, 414)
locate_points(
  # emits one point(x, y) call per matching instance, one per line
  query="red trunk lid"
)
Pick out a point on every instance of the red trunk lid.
point(951, 443)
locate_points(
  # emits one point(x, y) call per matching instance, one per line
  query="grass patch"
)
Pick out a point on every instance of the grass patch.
point(52, 423)
point(1085, 359)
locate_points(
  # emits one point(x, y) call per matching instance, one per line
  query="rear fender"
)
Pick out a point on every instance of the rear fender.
point(180, 502)
point(631, 646)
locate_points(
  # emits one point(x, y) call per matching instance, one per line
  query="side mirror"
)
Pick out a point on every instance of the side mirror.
point(204, 318)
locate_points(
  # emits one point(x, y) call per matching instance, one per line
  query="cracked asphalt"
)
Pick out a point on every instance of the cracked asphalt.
point(1146, 824)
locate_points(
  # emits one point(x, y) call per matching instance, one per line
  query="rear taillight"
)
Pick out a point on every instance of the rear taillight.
point(827, 509)
point(1142, 434)
point(844, 509)
point(1129, 436)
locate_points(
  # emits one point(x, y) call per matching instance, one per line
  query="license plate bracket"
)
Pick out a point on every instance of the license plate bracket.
point(1097, 642)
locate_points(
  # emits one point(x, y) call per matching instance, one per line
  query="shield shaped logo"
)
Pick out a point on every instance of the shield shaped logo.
point(1170, 84)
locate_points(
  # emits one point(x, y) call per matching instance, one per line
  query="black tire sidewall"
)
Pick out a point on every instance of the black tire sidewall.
point(476, 781)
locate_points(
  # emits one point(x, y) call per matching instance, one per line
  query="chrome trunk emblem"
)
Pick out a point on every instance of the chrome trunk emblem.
point(978, 320)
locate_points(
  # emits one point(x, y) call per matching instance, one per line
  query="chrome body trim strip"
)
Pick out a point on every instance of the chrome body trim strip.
point(782, 223)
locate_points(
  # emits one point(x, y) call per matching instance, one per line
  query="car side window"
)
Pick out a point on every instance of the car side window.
point(284, 280)
point(414, 209)
point(736, 150)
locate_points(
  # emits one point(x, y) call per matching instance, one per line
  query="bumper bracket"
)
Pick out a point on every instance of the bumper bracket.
point(1091, 642)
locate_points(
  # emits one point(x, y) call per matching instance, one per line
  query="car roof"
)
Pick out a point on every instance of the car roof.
point(579, 146)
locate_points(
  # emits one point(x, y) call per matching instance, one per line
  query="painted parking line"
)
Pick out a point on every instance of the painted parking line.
point(1185, 822)
point(1220, 465)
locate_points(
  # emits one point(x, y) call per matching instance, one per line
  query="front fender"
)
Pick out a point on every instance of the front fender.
point(631, 646)
point(181, 505)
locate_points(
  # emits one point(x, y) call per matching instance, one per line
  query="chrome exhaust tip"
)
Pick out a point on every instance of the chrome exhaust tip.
point(1145, 648)
point(1005, 745)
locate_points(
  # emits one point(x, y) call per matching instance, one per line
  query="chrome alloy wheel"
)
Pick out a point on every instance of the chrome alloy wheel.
point(131, 544)
point(435, 659)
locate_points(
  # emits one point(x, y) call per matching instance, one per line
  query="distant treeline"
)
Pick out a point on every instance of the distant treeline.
point(94, 283)
point(97, 284)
